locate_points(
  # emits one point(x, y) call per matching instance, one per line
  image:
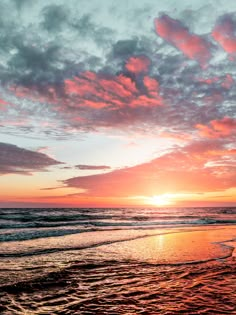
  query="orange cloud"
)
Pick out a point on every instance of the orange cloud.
point(189, 169)
point(193, 46)
point(218, 128)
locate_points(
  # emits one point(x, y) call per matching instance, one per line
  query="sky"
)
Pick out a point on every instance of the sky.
point(117, 103)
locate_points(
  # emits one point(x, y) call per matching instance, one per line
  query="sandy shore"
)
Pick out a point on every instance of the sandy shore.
point(19, 260)
point(183, 246)
point(165, 271)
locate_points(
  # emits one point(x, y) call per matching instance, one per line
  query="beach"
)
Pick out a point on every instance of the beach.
point(171, 269)
point(117, 157)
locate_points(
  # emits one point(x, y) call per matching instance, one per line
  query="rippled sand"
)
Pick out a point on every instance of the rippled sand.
point(181, 271)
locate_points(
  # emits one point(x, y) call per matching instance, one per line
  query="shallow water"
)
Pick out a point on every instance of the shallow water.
point(133, 269)
point(115, 287)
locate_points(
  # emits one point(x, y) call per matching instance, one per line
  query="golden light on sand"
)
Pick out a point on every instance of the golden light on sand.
point(160, 200)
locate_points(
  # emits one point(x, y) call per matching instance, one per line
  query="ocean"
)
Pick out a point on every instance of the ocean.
point(117, 261)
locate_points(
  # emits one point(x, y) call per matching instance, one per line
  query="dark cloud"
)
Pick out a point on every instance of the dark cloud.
point(14, 160)
point(33, 64)
point(92, 167)
point(121, 50)
point(125, 48)
point(21, 3)
point(66, 167)
point(43, 52)
point(54, 16)
point(84, 25)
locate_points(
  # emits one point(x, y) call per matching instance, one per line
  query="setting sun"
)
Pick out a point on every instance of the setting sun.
point(130, 122)
point(117, 157)
point(160, 200)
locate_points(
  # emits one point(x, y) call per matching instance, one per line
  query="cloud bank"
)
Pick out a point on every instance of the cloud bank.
point(16, 160)
point(197, 167)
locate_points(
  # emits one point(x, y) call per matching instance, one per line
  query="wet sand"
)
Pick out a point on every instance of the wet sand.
point(179, 247)
point(165, 271)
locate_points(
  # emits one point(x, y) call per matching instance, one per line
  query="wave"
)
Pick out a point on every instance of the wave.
point(35, 230)
point(95, 221)
point(93, 240)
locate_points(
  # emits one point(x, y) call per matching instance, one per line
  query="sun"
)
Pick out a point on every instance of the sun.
point(160, 200)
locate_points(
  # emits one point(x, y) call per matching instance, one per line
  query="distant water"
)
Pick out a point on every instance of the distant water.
point(50, 263)
point(23, 224)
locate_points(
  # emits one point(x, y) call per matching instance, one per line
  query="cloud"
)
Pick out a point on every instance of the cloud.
point(193, 46)
point(92, 167)
point(224, 33)
point(70, 73)
point(139, 64)
point(99, 99)
point(93, 100)
point(16, 160)
point(221, 128)
point(125, 48)
point(199, 166)
point(20, 3)
point(54, 16)
point(58, 42)
point(171, 97)
point(67, 70)
point(228, 81)
point(34, 64)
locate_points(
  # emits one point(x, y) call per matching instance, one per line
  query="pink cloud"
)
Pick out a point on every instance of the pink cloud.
point(218, 128)
point(223, 33)
point(176, 136)
point(228, 81)
point(209, 81)
point(138, 64)
point(193, 46)
point(90, 90)
point(146, 101)
point(100, 87)
point(183, 170)
point(108, 91)
point(2, 102)
point(33, 93)
point(152, 86)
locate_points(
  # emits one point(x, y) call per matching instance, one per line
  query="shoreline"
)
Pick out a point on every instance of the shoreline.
point(20, 260)
point(126, 275)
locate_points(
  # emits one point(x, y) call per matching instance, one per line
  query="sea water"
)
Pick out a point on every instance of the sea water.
point(117, 261)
